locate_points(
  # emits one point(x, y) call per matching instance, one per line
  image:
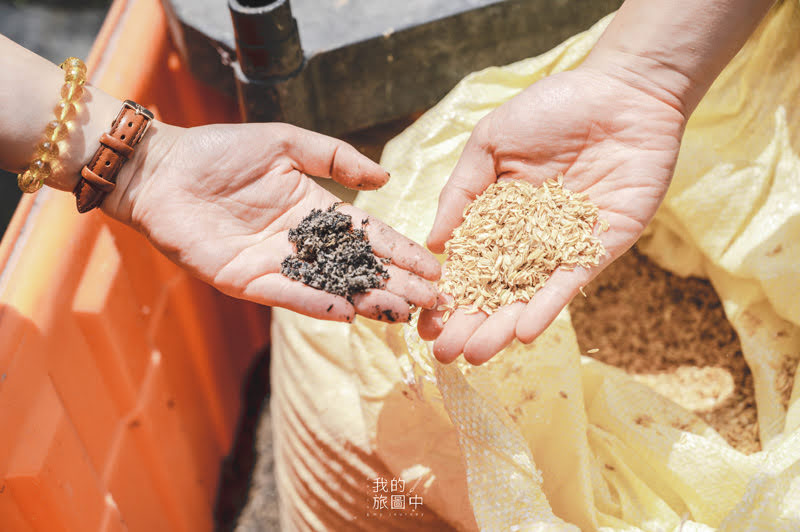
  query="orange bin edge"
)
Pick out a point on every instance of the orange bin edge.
point(119, 374)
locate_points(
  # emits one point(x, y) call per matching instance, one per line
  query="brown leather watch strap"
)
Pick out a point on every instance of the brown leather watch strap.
point(99, 176)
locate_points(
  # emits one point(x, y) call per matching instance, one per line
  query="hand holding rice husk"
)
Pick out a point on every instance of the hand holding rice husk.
point(513, 237)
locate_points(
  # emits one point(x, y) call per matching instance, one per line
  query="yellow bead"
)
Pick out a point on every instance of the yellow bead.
point(73, 62)
point(28, 183)
point(40, 170)
point(75, 74)
point(56, 131)
point(72, 91)
point(65, 111)
point(47, 150)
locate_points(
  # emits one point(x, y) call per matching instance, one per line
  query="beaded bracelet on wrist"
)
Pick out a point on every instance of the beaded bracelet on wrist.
point(47, 151)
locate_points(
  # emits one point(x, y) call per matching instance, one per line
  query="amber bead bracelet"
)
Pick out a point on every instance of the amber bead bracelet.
point(41, 168)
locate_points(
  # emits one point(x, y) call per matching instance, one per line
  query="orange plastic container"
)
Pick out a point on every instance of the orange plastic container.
point(119, 373)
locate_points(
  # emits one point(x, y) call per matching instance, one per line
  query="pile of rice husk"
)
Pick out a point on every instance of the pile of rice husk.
point(671, 334)
point(514, 235)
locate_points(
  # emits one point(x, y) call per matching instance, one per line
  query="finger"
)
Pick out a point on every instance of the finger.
point(430, 322)
point(388, 243)
point(551, 299)
point(494, 334)
point(473, 173)
point(455, 334)
point(278, 291)
point(382, 306)
point(323, 156)
point(412, 288)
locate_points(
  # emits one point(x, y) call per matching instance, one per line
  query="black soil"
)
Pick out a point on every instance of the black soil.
point(333, 256)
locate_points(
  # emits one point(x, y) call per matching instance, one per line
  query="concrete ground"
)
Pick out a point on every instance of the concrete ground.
point(54, 30)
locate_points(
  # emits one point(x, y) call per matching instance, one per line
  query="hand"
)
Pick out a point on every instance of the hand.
point(219, 201)
point(609, 139)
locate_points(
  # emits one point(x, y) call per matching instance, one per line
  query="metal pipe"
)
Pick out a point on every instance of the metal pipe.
point(267, 40)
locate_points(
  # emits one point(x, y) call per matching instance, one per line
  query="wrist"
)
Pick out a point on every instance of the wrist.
point(658, 79)
point(28, 111)
point(95, 112)
point(675, 50)
point(136, 175)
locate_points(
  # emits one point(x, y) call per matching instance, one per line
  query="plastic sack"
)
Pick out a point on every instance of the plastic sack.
point(541, 438)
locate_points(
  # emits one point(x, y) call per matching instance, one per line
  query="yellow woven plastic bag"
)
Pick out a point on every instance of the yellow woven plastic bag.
point(541, 438)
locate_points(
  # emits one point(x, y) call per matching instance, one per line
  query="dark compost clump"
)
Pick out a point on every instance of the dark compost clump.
point(333, 256)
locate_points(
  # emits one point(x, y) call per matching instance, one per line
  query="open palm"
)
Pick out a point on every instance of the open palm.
point(615, 142)
point(219, 201)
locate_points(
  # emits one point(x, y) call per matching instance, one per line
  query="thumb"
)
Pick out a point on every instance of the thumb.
point(322, 156)
point(474, 172)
